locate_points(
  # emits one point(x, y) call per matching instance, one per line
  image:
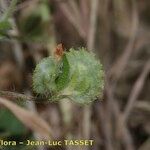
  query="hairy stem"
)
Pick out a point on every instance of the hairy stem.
point(23, 97)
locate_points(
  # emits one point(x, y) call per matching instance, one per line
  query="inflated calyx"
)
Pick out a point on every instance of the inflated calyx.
point(78, 75)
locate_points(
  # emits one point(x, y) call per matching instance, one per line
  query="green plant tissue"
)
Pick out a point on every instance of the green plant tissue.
point(78, 75)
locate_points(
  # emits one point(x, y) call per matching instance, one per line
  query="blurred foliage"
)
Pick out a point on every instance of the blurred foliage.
point(120, 32)
point(33, 25)
point(4, 27)
point(10, 124)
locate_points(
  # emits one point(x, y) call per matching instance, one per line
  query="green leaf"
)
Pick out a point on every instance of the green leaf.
point(10, 124)
point(62, 79)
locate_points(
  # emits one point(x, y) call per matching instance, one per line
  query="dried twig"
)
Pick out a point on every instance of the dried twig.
point(105, 125)
point(23, 97)
point(92, 26)
point(143, 105)
point(85, 9)
point(72, 18)
point(136, 90)
point(17, 96)
point(121, 128)
point(73, 5)
point(122, 61)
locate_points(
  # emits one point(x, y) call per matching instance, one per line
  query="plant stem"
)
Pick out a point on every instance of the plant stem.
point(23, 97)
point(10, 9)
point(14, 95)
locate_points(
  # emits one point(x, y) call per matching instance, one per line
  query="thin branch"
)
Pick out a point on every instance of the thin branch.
point(90, 44)
point(73, 5)
point(23, 97)
point(143, 105)
point(122, 132)
point(92, 26)
point(19, 96)
point(85, 9)
point(136, 90)
point(106, 126)
point(72, 18)
point(121, 63)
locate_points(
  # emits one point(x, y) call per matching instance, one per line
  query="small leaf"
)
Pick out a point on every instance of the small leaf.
point(63, 76)
point(16, 127)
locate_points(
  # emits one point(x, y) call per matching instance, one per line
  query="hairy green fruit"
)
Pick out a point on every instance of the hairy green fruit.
point(78, 76)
